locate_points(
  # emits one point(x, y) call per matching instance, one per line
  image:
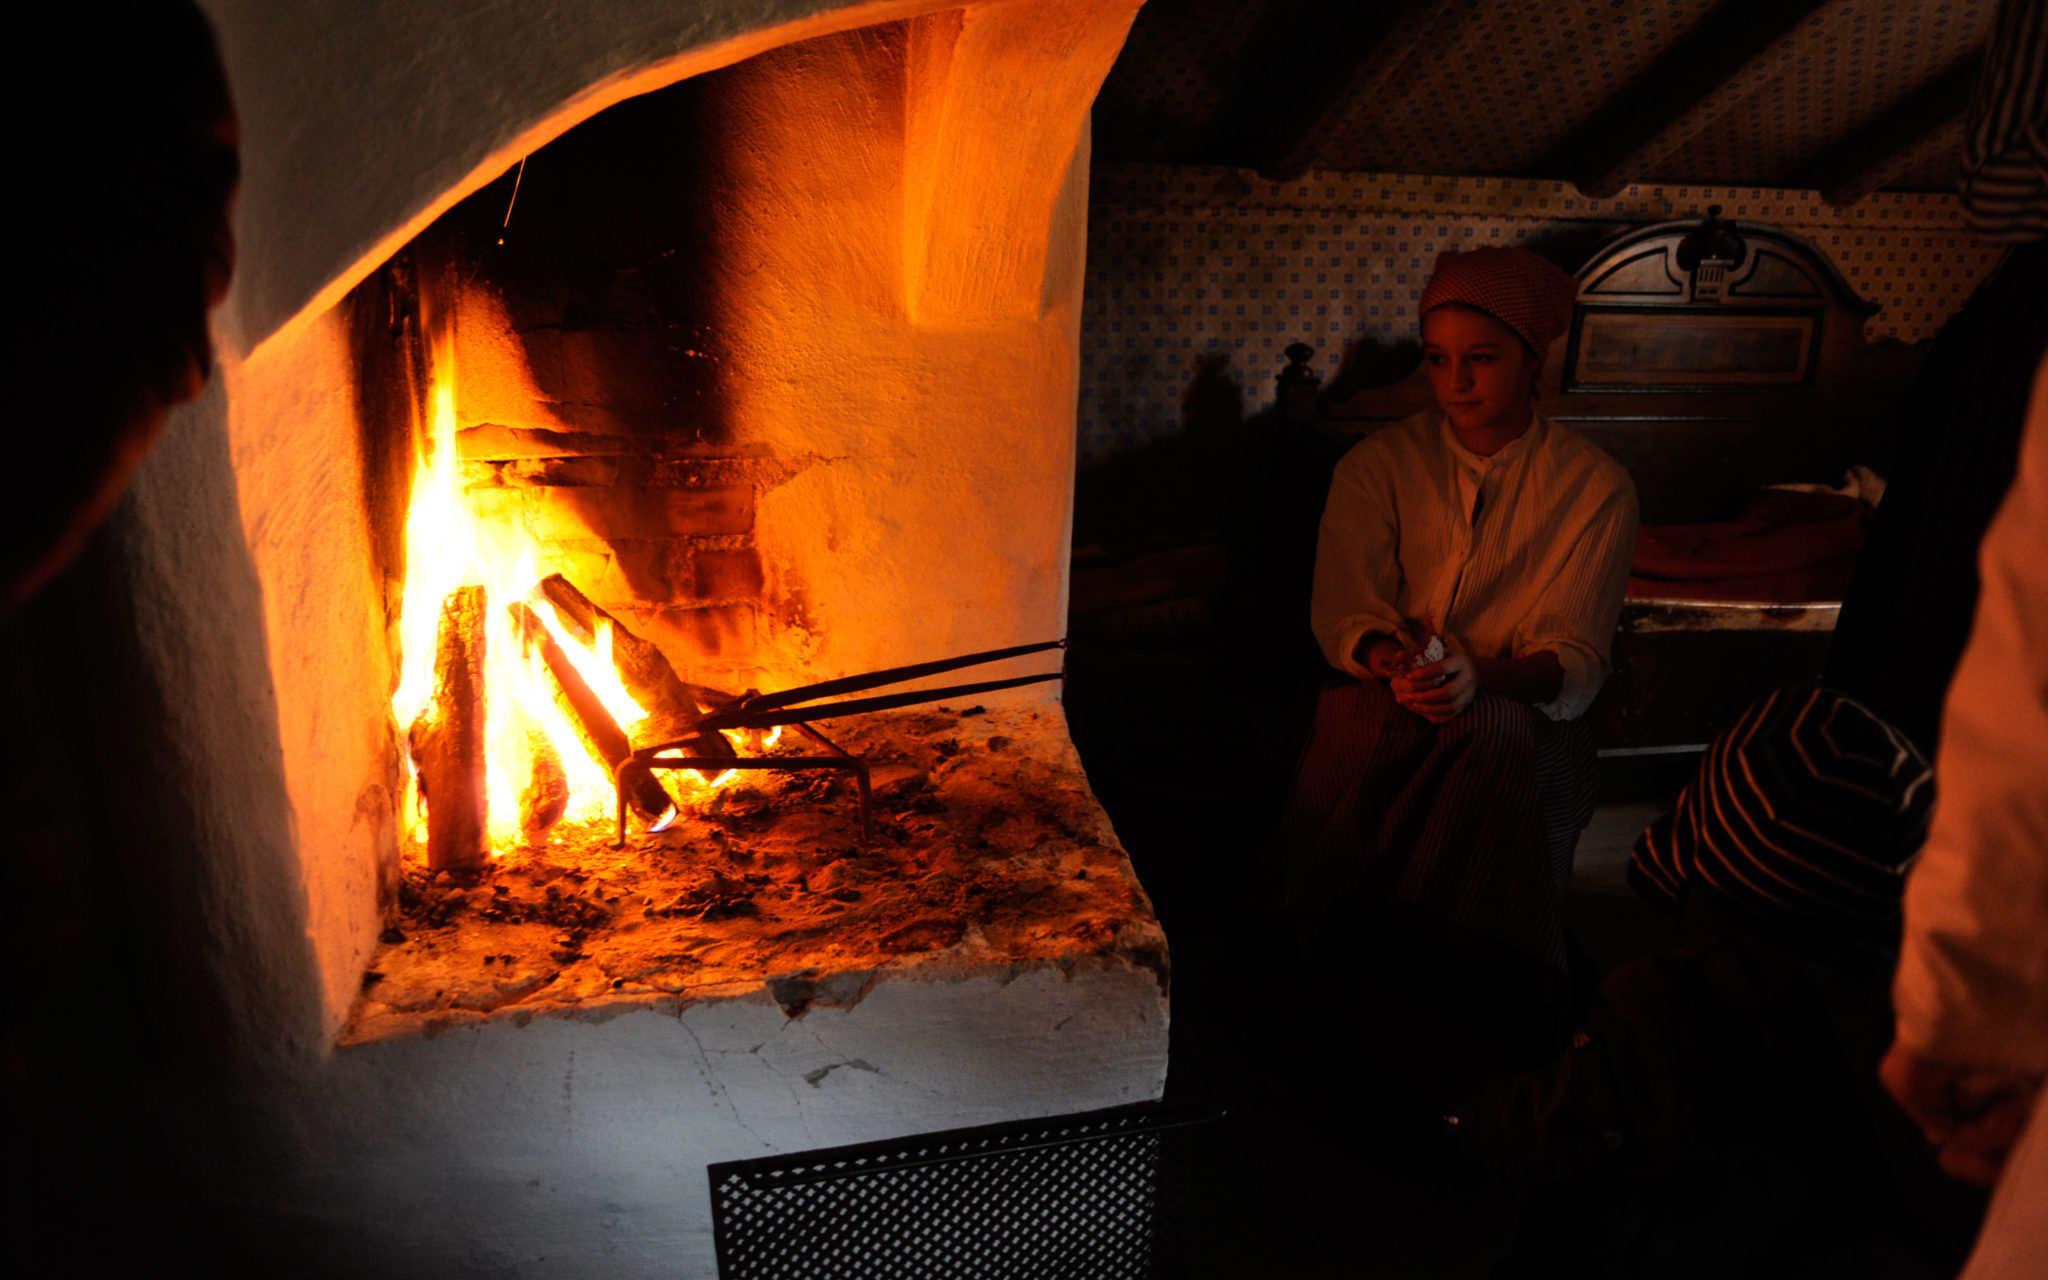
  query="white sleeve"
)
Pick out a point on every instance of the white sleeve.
point(1358, 570)
point(1972, 983)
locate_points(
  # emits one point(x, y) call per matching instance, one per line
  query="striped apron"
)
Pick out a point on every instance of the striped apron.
point(1474, 821)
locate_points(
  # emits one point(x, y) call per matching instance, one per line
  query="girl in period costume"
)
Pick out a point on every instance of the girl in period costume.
point(1469, 573)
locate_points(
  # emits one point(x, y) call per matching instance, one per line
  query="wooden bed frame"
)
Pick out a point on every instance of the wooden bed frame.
point(1709, 358)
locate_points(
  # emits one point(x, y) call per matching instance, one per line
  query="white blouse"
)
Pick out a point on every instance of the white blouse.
point(1522, 552)
point(1972, 983)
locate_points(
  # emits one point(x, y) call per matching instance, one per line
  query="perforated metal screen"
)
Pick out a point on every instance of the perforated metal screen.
point(1094, 1196)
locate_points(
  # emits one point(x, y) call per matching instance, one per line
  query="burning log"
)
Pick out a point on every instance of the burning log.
point(646, 674)
point(601, 734)
point(546, 796)
point(447, 742)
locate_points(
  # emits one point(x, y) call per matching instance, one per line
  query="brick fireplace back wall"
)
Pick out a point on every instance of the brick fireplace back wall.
point(595, 382)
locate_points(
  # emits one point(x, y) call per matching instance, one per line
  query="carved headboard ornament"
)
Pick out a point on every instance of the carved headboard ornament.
point(1710, 254)
point(1706, 304)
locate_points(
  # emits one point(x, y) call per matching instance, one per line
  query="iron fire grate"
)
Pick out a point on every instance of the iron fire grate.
point(1094, 1196)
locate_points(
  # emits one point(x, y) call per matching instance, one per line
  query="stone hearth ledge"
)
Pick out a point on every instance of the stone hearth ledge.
point(961, 970)
point(992, 862)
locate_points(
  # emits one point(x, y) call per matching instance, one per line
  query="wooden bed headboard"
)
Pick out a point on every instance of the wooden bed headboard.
point(1709, 358)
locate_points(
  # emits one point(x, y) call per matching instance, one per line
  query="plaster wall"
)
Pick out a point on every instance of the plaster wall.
point(362, 120)
point(298, 476)
point(874, 423)
point(938, 519)
point(577, 1147)
point(950, 536)
point(238, 700)
point(185, 793)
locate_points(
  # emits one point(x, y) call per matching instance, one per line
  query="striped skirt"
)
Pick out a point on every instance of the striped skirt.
point(1474, 821)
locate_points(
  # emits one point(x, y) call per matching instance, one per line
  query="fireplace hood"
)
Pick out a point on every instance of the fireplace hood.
point(905, 195)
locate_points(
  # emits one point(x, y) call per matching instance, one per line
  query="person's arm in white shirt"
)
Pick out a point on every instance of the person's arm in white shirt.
point(1971, 992)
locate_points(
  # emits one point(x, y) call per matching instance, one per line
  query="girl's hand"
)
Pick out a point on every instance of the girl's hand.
point(1385, 657)
point(1442, 690)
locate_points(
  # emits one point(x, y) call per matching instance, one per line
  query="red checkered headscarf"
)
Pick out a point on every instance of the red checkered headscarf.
point(1514, 286)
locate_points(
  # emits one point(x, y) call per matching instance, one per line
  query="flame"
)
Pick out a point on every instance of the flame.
point(449, 546)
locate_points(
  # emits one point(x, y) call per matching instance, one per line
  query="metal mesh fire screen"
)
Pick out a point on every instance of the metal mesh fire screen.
point(1094, 1196)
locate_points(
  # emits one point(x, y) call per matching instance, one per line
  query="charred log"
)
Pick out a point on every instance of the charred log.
point(646, 672)
point(601, 734)
point(448, 742)
point(546, 795)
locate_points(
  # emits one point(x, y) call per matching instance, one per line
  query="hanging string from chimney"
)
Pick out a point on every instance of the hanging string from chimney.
point(507, 223)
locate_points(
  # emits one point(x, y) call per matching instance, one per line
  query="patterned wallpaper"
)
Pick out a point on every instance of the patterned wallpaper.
point(1491, 86)
point(1188, 263)
point(1175, 74)
point(1934, 163)
point(1840, 67)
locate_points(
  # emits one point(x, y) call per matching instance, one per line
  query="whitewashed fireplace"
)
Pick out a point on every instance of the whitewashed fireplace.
point(907, 182)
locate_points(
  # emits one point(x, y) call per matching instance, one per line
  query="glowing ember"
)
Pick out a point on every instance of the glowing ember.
point(531, 747)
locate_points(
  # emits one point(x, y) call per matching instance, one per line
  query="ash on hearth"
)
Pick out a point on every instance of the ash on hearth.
point(989, 850)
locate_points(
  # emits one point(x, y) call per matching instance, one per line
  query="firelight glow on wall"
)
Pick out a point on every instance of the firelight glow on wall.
point(900, 197)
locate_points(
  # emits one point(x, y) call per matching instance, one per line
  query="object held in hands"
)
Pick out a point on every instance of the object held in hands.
point(1431, 652)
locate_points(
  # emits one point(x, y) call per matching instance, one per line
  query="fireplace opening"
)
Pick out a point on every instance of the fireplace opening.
point(606, 515)
point(871, 241)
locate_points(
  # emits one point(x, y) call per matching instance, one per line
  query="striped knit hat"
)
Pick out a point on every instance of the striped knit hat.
point(1807, 808)
point(1514, 286)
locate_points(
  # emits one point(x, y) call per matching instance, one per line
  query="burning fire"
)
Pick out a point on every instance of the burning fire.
point(527, 736)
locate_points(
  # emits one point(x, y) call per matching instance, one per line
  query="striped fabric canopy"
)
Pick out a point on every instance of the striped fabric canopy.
point(2005, 181)
point(1807, 808)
